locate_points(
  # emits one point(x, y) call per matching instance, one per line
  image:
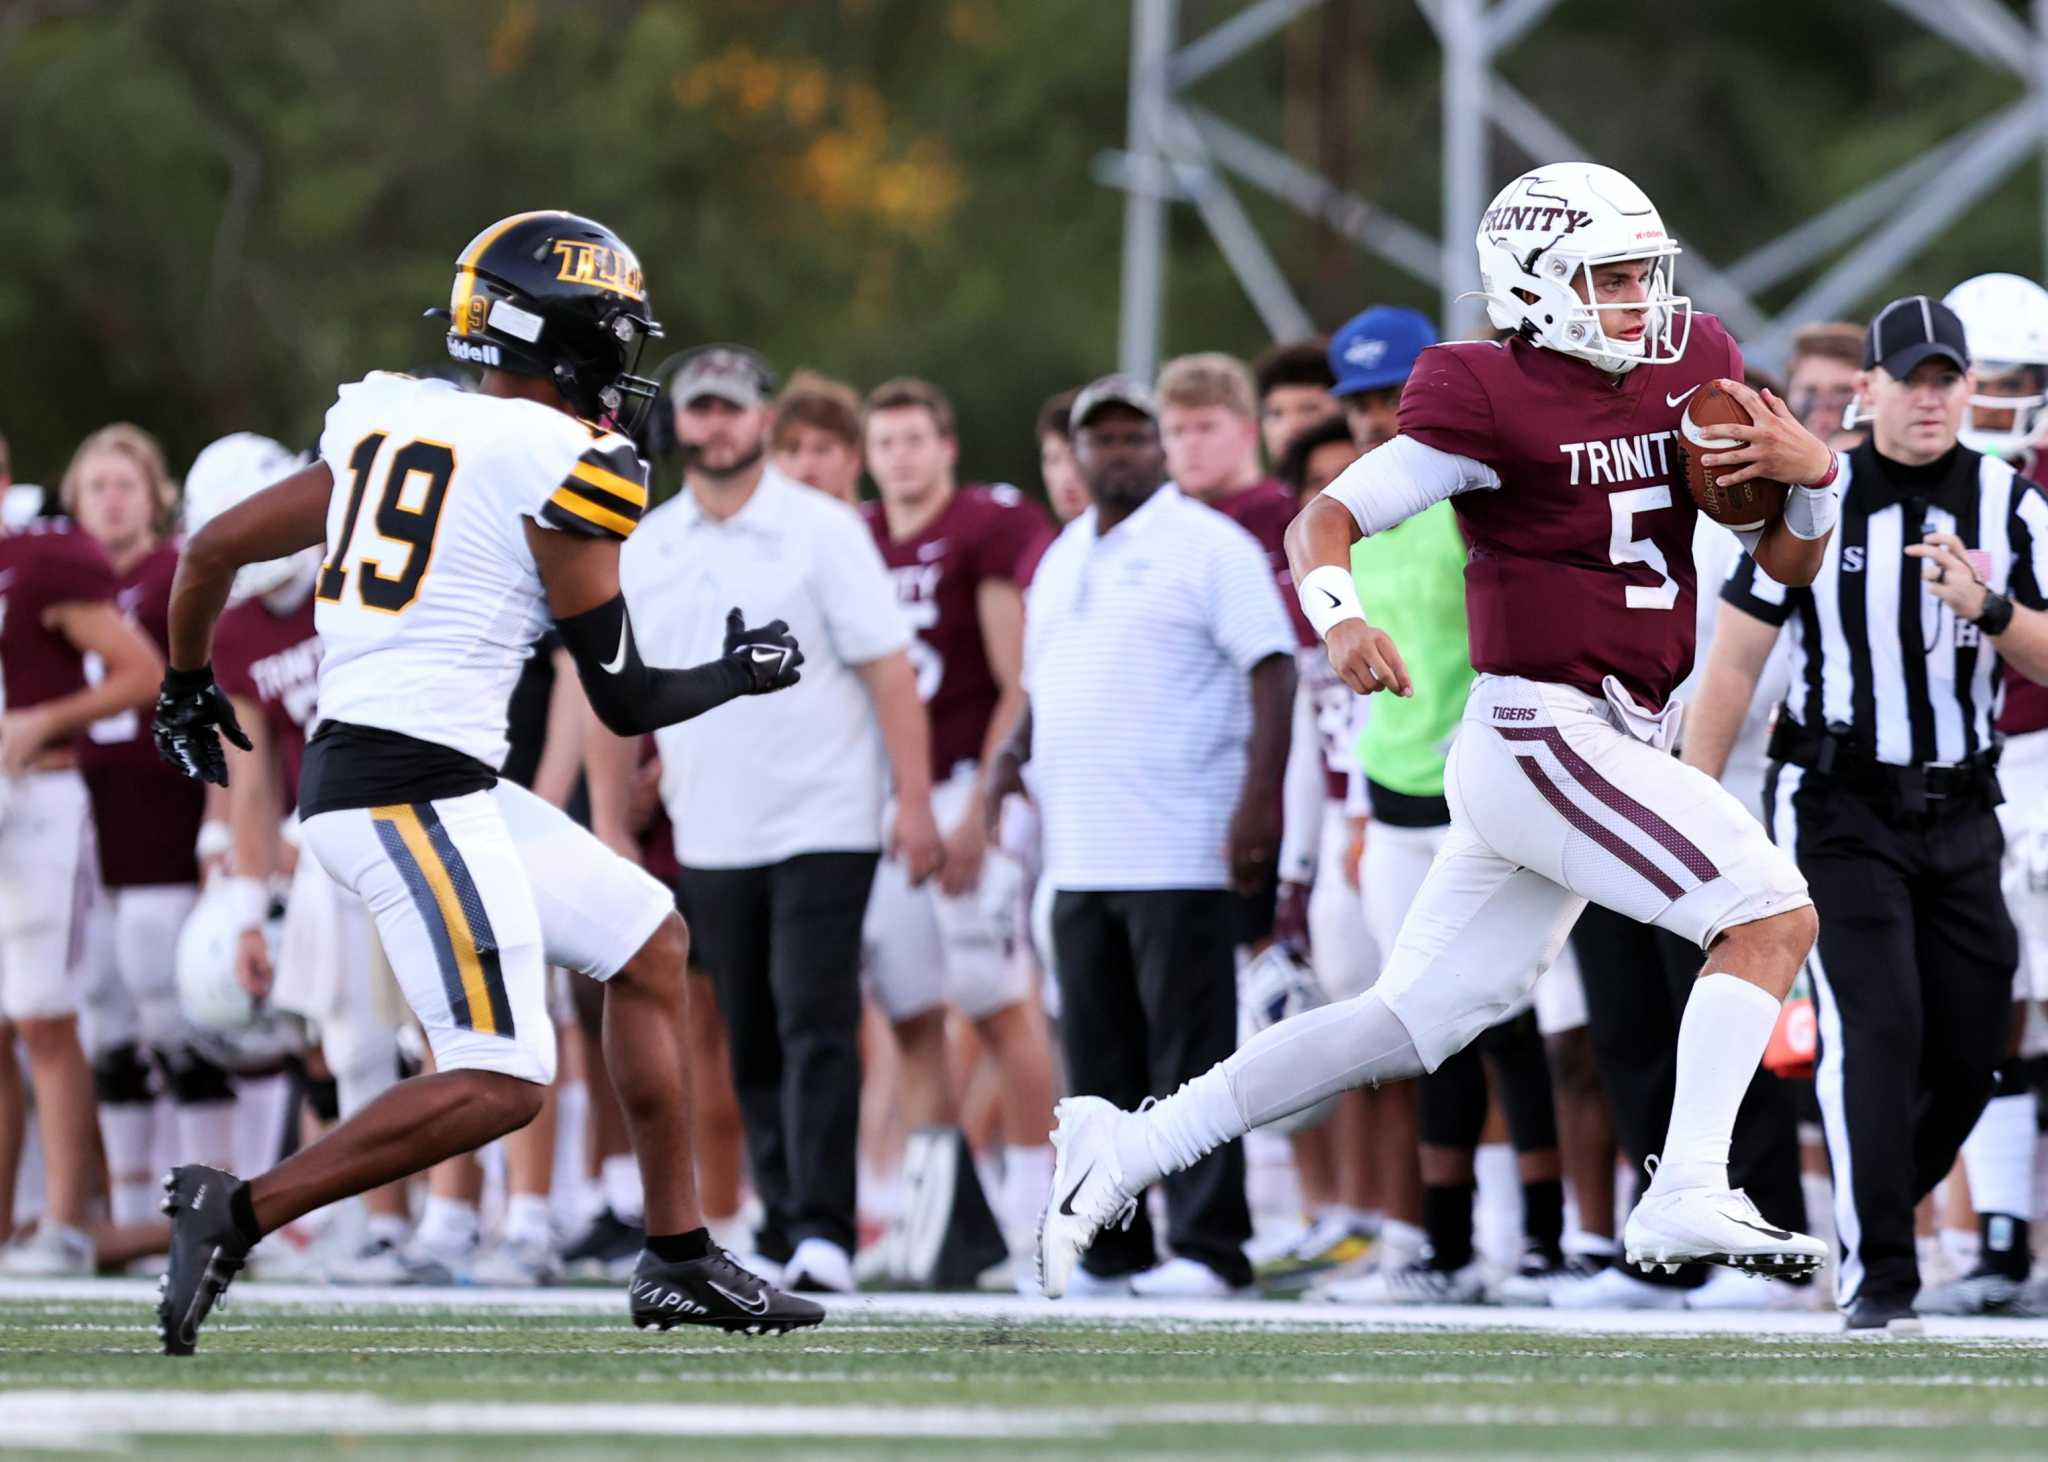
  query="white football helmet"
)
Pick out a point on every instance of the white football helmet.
point(229, 1026)
point(1555, 225)
point(227, 473)
point(2005, 320)
point(1272, 986)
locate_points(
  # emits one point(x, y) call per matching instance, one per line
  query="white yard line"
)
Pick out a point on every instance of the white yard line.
point(859, 1313)
point(78, 1417)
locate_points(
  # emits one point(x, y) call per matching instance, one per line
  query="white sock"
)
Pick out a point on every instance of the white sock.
point(1578, 1241)
point(1721, 1041)
point(388, 1228)
point(1027, 1178)
point(126, 1130)
point(623, 1193)
point(448, 1223)
point(1999, 1156)
point(206, 1134)
point(1964, 1246)
point(1278, 1072)
point(1401, 1243)
point(526, 1219)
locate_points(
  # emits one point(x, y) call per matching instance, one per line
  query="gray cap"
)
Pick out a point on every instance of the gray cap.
point(1117, 390)
point(728, 374)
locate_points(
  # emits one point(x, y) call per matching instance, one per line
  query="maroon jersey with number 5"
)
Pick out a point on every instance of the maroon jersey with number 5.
point(983, 533)
point(147, 812)
point(1581, 560)
point(274, 661)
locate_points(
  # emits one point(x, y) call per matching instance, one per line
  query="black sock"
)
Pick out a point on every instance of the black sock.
point(243, 1212)
point(680, 1248)
point(1543, 1216)
point(2007, 1249)
point(1447, 1220)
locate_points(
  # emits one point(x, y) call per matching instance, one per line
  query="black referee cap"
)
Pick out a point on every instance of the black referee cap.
point(1910, 330)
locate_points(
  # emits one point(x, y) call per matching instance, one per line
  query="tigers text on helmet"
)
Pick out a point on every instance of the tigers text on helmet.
point(2005, 320)
point(561, 297)
point(1550, 229)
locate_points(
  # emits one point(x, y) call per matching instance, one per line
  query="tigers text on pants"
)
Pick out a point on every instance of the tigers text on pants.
point(1554, 804)
point(474, 896)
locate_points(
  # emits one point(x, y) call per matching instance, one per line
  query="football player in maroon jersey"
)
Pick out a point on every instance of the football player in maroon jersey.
point(57, 606)
point(1553, 444)
point(955, 554)
point(147, 818)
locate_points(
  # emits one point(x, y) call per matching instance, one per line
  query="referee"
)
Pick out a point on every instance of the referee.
point(1883, 781)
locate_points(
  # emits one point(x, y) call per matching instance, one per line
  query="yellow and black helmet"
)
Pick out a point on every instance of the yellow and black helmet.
point(559, 296)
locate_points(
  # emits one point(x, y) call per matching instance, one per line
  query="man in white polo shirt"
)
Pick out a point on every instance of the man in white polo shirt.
point(1160, 666)
point(778, 816)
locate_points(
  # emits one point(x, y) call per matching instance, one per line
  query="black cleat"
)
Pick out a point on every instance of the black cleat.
point(715, 1291)
point(207, 1252)
point(609, 1241)
point(1874, 1316)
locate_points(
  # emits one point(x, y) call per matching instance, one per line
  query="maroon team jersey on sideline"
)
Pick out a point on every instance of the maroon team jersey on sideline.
point(1264, 510)
point(147, 812)
point(50, 562)
point(1581, 560)
point(273, 660)
point(983, 533)
point(2025, 707)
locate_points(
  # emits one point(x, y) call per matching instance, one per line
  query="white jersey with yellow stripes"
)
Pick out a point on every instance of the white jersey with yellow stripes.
point(429, 601)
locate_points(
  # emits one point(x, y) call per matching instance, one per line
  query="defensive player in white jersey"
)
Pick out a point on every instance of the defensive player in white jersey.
point(455, 525)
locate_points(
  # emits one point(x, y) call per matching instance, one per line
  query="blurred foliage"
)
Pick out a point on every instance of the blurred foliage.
point(217, 210)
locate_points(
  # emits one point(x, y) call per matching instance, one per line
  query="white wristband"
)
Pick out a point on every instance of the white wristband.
point(1812, 512)
point(215, 840)
point(1328, 598)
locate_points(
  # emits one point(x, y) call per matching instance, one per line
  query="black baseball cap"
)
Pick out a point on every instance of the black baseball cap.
point(1910, 330)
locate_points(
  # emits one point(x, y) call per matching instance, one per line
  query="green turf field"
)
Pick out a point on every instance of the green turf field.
point(453, 1380)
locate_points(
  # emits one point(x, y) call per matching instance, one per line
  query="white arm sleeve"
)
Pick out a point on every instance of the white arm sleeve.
point(1400, 479)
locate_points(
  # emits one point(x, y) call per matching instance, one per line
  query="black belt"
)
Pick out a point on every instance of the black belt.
point(1841, 759)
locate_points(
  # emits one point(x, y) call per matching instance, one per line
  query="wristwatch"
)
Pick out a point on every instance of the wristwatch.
point(1995, 618)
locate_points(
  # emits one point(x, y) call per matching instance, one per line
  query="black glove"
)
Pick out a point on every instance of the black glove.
point(769, 654)
point(191, 714)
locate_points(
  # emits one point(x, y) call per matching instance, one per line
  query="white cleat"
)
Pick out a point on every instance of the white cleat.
point(1087, 1188)
point(1715, 1226)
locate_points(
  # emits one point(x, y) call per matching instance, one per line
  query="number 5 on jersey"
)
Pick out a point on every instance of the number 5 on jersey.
point(411, 523)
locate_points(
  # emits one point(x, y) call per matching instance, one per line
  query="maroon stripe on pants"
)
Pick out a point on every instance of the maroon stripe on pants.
point(1597, 830)
point(1697, 863)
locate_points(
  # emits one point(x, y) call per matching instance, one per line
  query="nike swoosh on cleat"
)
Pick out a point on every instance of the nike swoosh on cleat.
point(618, 662)
point(1781, 1235)
point(1679, 399)
point(1067, 1203)
point(756, 1306)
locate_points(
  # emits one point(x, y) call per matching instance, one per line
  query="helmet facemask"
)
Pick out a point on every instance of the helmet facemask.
point(2025, 412)
point(1563, 319)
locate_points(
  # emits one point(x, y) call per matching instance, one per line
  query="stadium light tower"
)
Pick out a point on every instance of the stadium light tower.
point(1179, 152)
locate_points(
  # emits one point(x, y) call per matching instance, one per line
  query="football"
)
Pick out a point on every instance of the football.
point(1743, 506)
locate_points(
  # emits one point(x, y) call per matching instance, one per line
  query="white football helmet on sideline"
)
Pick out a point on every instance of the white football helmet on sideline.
point(229, 1026)
point(227, 473)
point(1272, 986)
point(1553, 226)
point(2005, 320)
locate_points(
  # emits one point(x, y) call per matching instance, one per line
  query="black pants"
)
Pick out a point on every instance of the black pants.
point(1638, 979)
point(782, 946)
point(1148, 999)
point(1913, 991)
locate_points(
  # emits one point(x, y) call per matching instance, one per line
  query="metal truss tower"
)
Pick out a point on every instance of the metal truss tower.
point(1178, 152)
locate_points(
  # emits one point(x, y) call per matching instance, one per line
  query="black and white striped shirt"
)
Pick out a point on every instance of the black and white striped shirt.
point(1876, 657)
